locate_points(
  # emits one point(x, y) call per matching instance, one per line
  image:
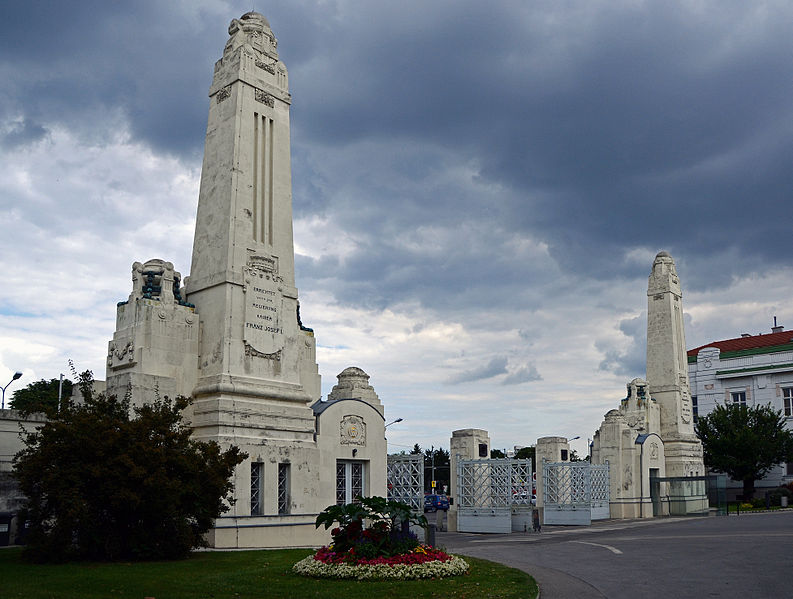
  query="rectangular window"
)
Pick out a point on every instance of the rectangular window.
point(787, 398)
point(283, 488)
point(350, 481)
point(257, 484)
point(341, 483)
point(789, 470)
point(694, 408)
point(738, 397)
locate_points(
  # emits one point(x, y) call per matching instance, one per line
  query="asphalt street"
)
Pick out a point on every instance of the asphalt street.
point(750, 555)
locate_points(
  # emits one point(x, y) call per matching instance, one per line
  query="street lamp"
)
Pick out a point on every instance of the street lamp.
point(15, 377)
point(394, 422)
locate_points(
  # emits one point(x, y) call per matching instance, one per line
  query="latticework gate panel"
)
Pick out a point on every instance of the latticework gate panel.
point(406, 480)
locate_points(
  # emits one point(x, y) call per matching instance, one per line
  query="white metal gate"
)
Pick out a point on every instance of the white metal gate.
point(600, 494)
point(575, 492)
point(406, 480)
point(491, 492)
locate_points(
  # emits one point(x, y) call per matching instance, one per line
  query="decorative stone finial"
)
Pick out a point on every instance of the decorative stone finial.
point(354, 384)
point(251, 32)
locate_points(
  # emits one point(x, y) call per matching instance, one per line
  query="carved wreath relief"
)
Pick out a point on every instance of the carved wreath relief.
point(352, 431)
point(121, 355)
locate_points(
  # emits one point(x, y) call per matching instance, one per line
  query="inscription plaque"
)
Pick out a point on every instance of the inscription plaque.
point(263, 328)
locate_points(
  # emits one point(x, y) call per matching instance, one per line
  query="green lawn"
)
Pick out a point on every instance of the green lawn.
point(238, 575)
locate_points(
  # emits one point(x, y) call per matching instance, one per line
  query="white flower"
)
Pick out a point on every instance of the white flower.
point(433, 569)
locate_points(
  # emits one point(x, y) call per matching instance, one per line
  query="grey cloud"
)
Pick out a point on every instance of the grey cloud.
point(22, 133)
point(495, 367)
point(630, 362)
point(524, 374)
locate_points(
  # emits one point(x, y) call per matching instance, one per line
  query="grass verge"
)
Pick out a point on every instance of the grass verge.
point(240, 575)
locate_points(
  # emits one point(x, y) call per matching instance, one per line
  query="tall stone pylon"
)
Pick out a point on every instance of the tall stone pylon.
point(257, 371)
point(667, 369)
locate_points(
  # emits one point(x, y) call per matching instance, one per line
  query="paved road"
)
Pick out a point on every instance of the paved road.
point(737, 556)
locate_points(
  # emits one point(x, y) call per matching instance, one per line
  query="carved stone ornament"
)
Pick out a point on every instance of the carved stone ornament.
point(627, 478)
point(250, 351)
point(685, 410)
point(637, 422)
point(120, 356)
point(267, 66)
point(223, 93)
point(264, 97)
point(654, 451)
point(352, 431)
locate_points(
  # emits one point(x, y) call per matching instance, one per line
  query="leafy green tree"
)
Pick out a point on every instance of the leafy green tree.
point(416, 450)
point(745, 442)
point(105, 484)
point(497, 454)
point(40, 396)
point(526, 453)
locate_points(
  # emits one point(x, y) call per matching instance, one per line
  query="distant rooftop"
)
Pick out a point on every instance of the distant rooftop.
point(748, 344)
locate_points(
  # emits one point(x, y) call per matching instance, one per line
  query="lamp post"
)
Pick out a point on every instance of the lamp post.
point(394, 422)
point(15, 377)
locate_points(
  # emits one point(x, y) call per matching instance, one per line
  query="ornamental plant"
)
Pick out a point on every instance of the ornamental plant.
point(387, 534)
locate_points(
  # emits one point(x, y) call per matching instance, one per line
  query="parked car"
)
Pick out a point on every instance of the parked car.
point(433, 503)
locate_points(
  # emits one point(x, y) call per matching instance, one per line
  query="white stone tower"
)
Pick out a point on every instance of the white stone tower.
point(667, 369)
point(257, 371)
point(232, 337)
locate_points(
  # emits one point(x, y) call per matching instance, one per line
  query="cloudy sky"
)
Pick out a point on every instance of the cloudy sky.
point(479, 187)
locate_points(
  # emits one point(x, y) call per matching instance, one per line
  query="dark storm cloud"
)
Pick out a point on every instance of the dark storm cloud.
point(593, 128)
point(656, 125)
point(72, 63)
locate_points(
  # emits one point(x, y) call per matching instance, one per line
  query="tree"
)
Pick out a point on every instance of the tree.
point(745, 442)
point(436, 467)
point(526, 453)
point(40, 396)
point(104, 484)
point(497, 454)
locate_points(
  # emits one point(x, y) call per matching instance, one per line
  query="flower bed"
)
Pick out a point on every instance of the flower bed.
point(386, 549)
point(422, 562)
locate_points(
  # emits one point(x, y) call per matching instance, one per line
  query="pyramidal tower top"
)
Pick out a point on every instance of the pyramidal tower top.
point(242, 278)
point(245, 201)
